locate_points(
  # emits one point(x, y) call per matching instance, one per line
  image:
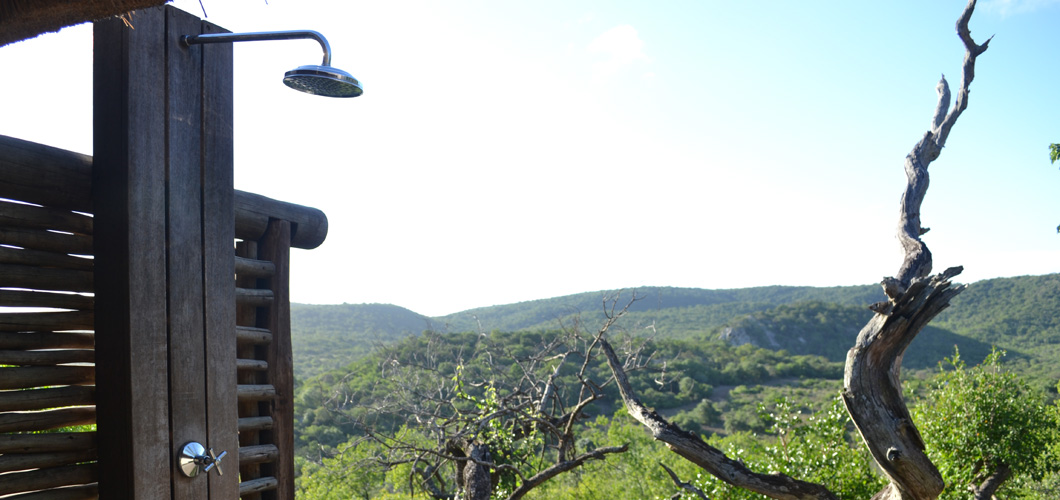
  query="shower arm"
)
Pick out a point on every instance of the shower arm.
point(189, 40)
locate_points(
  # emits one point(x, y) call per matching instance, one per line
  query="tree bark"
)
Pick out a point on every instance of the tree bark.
point(472, 478)
point(986, 490)
point(872, 389)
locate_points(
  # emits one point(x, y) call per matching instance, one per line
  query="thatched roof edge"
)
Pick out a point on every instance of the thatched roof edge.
point(22, 19)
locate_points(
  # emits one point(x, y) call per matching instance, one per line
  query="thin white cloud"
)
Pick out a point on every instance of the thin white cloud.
point(621, 46)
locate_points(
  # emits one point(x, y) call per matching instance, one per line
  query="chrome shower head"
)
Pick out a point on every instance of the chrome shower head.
point(322, 80)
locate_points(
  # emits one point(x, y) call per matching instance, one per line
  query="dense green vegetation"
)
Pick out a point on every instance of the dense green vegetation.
point(715, 358)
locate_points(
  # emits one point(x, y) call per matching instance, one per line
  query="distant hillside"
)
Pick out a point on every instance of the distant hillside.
point(676, 312)
point(325, 337)
point(1018, 314)
point(829, 330)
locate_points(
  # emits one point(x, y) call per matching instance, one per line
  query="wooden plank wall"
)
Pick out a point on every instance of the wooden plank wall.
point(163, 172)
point(47, 377)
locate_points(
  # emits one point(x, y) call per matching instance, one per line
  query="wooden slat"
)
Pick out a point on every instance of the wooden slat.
point(251, 335)
point(47, 357)
point(250, 317)
point(219, 232)
point(82, 492)
point(24, 461)
point(255, 423)
point(48, 241)
point(40, 258)
point(52, 397)
point(47, 321)
point(40, 376)
point(245, 392)
point(257, 485)
point(46, 420)
point(253, 297)
point(128, 188)
point(29, 298)
point(252, 364)
point(63, 280)
point(46, 443)
point(258, 454)
point(53, 477)
point(34, 217)
point(253, 268)
point(187, 351)
point(276, 248)
point(44, 175)
point(46, 340)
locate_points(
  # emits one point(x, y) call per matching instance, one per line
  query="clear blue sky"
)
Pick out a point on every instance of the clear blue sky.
point(509, 151)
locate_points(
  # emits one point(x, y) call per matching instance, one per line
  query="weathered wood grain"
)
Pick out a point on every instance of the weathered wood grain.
point(184, 245)
point(46, 340)
point(51, 477)
point(35, 173)
point(219, 234)
point(46, 420)
point(128, 200)
point(52, 397)
point(276, 248)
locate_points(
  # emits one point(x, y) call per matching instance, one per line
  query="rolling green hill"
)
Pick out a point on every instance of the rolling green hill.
point(1018, 314)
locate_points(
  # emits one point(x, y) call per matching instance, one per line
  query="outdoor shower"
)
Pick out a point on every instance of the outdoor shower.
point(322, 80)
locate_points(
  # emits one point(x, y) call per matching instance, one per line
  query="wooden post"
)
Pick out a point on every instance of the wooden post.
point(276, 248)
point(162, 192)
point(128, 189)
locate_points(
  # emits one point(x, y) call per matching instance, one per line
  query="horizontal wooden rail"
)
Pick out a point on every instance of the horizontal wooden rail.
point(252, 364)
point(258, 454)
point(253, 268)
point(46, 420)
point(253, 297)
point(29, 298)
point(23, 164)
point(34, 217)
point(252, 335)
point(44, 443)
point(255, 423)
point(40, 258)
point(52, 397)
point(38, 278)
point(58, 340)
point(42, 376)
point(47, 357)
point(25, 461)
point(47, 321)
point(309, 226)
point(48, 241)
point(53, 477)
point(257, 485)
point(255, 392)
point(82, 492)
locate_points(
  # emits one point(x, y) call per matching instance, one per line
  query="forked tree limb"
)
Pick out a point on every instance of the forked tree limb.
point(872, 389)
point(917, 262)
point(695, 450)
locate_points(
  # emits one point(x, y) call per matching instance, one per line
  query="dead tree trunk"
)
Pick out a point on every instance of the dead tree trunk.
point(871, 386)
point(472, 477)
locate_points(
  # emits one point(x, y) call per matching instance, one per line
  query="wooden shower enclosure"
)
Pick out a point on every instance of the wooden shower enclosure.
point(146, 300)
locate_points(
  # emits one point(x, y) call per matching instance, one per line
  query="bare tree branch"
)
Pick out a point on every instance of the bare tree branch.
point(555, 470)
point(683, 484)
point(917, 263)
point(694, 449)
